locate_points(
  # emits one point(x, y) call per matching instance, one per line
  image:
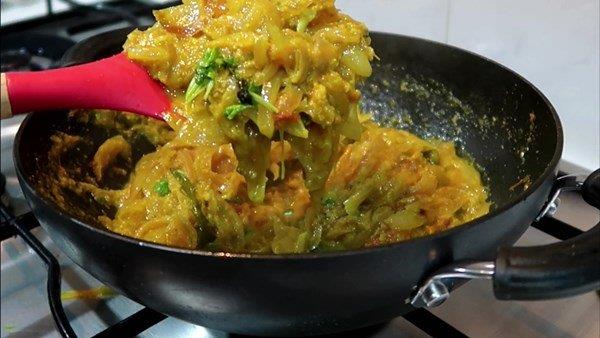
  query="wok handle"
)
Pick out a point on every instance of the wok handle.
point(590, 191)
point(556, 270)
point(530, 273)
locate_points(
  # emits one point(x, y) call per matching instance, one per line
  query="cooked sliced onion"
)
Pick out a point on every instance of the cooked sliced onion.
point(357, 60)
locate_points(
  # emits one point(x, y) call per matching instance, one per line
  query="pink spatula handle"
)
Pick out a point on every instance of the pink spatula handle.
point(113, 83)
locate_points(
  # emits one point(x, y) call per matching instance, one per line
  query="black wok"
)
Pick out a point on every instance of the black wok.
point(498, 118)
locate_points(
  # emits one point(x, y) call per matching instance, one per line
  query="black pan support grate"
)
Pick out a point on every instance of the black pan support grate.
point(146, 318)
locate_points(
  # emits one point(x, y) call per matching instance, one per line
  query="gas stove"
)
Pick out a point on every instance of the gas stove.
point(472, 309)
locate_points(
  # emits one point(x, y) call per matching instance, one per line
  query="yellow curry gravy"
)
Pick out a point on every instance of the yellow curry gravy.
point(266, 149)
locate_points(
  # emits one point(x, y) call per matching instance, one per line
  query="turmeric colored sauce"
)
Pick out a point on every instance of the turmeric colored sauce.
point(266, 149)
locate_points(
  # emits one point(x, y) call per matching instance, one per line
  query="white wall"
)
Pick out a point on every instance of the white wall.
point(553, 43)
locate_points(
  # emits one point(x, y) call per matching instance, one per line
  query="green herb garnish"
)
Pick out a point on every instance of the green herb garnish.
point(257, 99)
point(206, 73)
point(162, 188)
point(230, 64)
point(288, 213)
point(249, 96)
point(232, 111)
point(328, 202)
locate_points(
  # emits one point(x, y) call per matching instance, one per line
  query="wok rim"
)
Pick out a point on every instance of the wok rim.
point(550, 168)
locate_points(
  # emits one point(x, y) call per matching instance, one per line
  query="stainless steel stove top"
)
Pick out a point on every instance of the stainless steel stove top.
point(471, 310)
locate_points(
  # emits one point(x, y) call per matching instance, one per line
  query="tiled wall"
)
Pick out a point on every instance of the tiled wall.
point(553, 43)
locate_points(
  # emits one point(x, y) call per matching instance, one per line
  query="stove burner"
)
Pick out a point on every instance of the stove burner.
point(32, 51)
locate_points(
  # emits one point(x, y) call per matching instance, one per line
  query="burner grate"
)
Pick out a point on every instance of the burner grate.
point(133, 325)
point(54, 277)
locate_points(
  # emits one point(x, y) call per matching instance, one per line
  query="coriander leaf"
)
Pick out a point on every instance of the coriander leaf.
point(209, 58)
point(202, 80)
point(232, 111)
point(209, 87)
point(260, 101)
point(254, 88)
point(206, 74)
point(162, 188)
point(230, 63)
point(252, 93)
point(193, 90)
point(328, 203)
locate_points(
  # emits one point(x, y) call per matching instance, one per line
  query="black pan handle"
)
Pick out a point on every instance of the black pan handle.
point(590, 190)
point(552, 271)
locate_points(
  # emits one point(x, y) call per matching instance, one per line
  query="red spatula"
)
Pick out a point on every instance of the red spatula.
point(114, 83)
